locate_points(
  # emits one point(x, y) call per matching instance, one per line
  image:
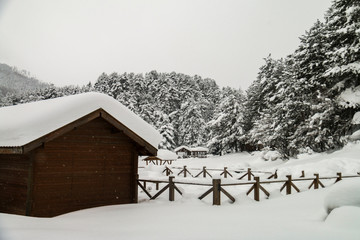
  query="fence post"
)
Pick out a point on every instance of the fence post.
point(171, 188)
point(204, 172)
point(185, 171)
point(339, 178)
point(225, 172)
point(288, 184)
point(302, 174)
point(216, 191)
point(157, 186)
point(249, 174)
point(257, 189)
point(169, 172)
point(316, 181)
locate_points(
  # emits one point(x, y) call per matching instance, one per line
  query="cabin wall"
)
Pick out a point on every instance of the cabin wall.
point(14, 176)
point(92, 165)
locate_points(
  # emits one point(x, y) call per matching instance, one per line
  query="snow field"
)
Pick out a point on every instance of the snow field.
point(297, 216)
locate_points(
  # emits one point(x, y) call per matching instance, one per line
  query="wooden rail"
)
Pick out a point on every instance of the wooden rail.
point(217, 188)
point(222, 170)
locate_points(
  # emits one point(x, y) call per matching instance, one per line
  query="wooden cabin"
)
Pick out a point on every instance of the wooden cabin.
point(199, 152)
point(183, 151)
point(70, 153)
point(187, 152)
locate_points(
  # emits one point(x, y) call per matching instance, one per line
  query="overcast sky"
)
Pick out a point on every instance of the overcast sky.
point(72, 42)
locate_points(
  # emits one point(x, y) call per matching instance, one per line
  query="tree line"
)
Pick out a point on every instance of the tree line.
point(300, 103)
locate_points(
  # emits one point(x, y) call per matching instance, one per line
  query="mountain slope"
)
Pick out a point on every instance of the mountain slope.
point(15, 81)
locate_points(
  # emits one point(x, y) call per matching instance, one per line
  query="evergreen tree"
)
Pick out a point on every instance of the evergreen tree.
point(226, 129)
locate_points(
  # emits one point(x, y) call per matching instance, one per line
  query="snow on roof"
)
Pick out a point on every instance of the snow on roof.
point(24, 123)
point(192, 149)
point(181, 147)
point(200, 149)
point(166, 154)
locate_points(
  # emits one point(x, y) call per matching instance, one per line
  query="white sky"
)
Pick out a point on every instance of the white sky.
point(72, 42)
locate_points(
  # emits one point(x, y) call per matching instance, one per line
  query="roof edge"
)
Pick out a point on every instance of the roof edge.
point(100, 112)
point(11, 150)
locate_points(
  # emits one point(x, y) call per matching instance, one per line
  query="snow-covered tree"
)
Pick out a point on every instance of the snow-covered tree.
point(226, 129)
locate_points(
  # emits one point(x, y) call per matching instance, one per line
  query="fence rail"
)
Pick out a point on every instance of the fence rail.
point(217, 187)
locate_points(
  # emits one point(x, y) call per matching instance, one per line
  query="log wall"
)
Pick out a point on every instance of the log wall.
point(14, 172)
point(92, 165)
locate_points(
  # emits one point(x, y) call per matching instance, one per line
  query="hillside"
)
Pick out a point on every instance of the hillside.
point(15, 81)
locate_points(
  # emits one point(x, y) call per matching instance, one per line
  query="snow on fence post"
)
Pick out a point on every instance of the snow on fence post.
point(171, 188)
point(216, 191)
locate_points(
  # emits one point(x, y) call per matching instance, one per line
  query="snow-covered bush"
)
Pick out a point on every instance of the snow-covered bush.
point(343, 193)
point(355, 136)
point(270, 155)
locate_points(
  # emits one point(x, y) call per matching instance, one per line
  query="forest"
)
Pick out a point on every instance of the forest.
point(304, 102)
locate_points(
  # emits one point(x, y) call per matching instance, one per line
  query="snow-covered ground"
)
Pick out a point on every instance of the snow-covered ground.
point(297, 216)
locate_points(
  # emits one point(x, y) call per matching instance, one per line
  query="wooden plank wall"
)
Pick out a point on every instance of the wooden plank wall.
point(92, 165)
point(14, 172)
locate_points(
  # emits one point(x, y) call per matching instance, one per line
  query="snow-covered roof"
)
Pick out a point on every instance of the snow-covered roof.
point(24, 123)
point(200, 149)
point(181, 147)
point(166, 154)
point(193, 149)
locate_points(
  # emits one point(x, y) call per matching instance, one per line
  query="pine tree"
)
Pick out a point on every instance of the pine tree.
point(191, 124)
point(226, 129)
point(167, 132)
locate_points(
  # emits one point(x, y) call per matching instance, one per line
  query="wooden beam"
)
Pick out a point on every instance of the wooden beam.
point(11, 150)
point(140, 141)
point(61, 131)
point(30, 185)
point(216, 191)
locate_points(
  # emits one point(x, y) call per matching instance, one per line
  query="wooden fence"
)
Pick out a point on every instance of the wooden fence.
point(216, 188)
